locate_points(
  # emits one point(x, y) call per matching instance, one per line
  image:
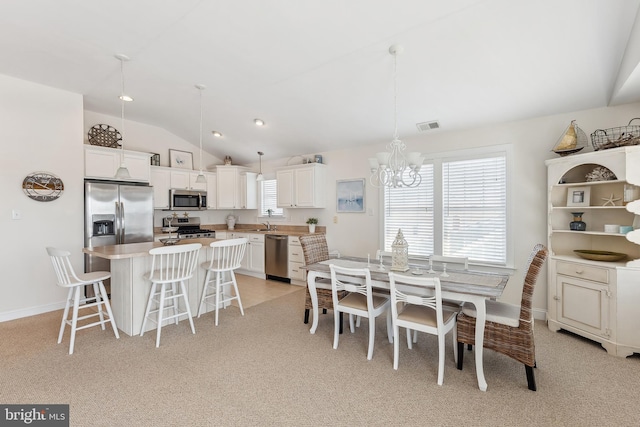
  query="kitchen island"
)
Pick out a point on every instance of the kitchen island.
point(130, 267)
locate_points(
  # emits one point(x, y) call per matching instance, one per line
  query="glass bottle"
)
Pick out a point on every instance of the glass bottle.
point(577, 224)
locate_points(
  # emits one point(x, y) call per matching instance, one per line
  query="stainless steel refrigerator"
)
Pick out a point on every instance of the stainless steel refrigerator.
point(115, 213)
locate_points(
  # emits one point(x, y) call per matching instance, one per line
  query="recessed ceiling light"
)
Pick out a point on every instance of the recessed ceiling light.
point(258, 122)
point(126, 98)
point(216, 133)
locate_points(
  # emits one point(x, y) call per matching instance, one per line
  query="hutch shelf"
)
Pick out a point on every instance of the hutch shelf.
point(596, 299)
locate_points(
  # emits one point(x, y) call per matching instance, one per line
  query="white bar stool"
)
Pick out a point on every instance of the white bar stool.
point(226, 256)
point(67, 278)
point(171, 266)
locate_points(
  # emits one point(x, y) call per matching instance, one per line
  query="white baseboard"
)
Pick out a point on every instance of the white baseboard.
point(31, 311)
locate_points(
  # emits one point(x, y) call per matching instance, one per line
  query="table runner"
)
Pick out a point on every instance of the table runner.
point(466, 278)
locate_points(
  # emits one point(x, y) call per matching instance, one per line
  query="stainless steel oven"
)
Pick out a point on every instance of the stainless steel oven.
point(187, 200)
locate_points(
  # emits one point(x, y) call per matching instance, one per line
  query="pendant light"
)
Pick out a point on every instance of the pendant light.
point(201, 179)
point(260, 177)
point(122, 172)
point(396, 168)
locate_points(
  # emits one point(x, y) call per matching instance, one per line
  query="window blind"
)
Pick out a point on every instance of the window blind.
point(269, 198)
point(474, 209)
point(411, 209)
point(461, 213)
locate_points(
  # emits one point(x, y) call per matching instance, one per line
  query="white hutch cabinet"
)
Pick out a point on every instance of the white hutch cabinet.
point(596, 299)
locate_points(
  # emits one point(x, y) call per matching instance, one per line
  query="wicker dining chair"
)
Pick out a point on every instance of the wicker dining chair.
point(315, 249)
point(508, 328)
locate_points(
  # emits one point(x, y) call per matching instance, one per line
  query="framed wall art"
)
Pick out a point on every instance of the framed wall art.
point(579, 196)
point(350, 196)
point(181, 159)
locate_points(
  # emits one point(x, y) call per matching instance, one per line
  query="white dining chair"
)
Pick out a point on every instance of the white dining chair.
point(75, 282)
point(226, 256)
point(360, 301)
point(171, 267)
point(421, 311)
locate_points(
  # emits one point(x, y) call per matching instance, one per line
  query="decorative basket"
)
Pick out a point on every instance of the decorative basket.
point(105, 136)
point(621, 136)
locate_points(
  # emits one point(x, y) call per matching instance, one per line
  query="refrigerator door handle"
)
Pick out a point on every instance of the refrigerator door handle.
point(122, 233)
point(118, 225)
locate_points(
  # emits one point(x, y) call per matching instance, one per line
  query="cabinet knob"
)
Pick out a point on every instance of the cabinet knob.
point(579, 271)
point(556, 298)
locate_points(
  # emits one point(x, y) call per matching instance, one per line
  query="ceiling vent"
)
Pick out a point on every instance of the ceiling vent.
point(425, 126)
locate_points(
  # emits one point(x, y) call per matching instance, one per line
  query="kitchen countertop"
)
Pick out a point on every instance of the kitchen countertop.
point(134, 250)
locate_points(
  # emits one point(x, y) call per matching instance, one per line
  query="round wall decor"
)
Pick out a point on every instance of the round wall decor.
point(42, 186)
point(105, 136)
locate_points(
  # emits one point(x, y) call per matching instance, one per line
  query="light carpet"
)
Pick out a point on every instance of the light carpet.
point(265, 369)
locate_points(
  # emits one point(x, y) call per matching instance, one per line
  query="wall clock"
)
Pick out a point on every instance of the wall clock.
point(42, 186)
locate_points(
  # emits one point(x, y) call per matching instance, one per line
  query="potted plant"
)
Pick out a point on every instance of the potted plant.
point(312, 224)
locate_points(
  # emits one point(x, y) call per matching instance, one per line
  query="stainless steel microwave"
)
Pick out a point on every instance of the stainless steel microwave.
point(187, 200)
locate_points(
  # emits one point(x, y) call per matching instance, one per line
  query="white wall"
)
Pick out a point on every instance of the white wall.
point(44, 129)
point(532, 142)
point(142, 137)
point(41, 131)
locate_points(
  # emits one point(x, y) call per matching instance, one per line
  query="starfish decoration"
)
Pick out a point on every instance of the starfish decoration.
point(610, 200)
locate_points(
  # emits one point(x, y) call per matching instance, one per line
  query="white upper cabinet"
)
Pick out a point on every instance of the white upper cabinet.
point(186, 180)
point(161, 183)
point(163, 179)
point(103, 162)
point(237, 188)
point(302, 186)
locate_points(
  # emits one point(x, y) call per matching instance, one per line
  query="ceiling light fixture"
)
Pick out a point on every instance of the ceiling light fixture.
point(260, 177)
point(216, 134)
point(122, 172)
point(201, 179)
point(258, 122)
point(395, 168)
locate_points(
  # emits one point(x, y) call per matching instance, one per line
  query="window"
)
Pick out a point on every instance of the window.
point(459, 209)
point(269, 199)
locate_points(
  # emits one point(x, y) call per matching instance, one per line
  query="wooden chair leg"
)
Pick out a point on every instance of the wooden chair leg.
point(306, 315)
point(460, 354)
point(531, 379)
point(324, 311)
point(341, 321)
point(469, 347)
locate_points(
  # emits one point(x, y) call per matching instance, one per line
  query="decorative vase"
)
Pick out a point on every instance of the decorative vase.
point(577, 224)
point(312, 228)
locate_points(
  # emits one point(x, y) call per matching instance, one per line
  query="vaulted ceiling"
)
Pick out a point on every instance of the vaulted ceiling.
point(319, 72)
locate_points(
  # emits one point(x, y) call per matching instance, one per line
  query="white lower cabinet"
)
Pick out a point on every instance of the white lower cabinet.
point(297, 274)
point(253, 262)
point(584, 299)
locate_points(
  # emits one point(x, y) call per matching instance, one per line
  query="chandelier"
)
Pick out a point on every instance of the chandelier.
point(395, 168)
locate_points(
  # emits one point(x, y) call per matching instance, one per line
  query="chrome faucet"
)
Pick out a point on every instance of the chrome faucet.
point(267, 225)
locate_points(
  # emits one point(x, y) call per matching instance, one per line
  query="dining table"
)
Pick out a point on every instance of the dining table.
point(471, 286)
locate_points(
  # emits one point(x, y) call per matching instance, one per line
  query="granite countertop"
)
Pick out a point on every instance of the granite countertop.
point(134, 250)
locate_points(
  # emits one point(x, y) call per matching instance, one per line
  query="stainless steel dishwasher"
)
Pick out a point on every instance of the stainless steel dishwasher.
point(276, 257)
